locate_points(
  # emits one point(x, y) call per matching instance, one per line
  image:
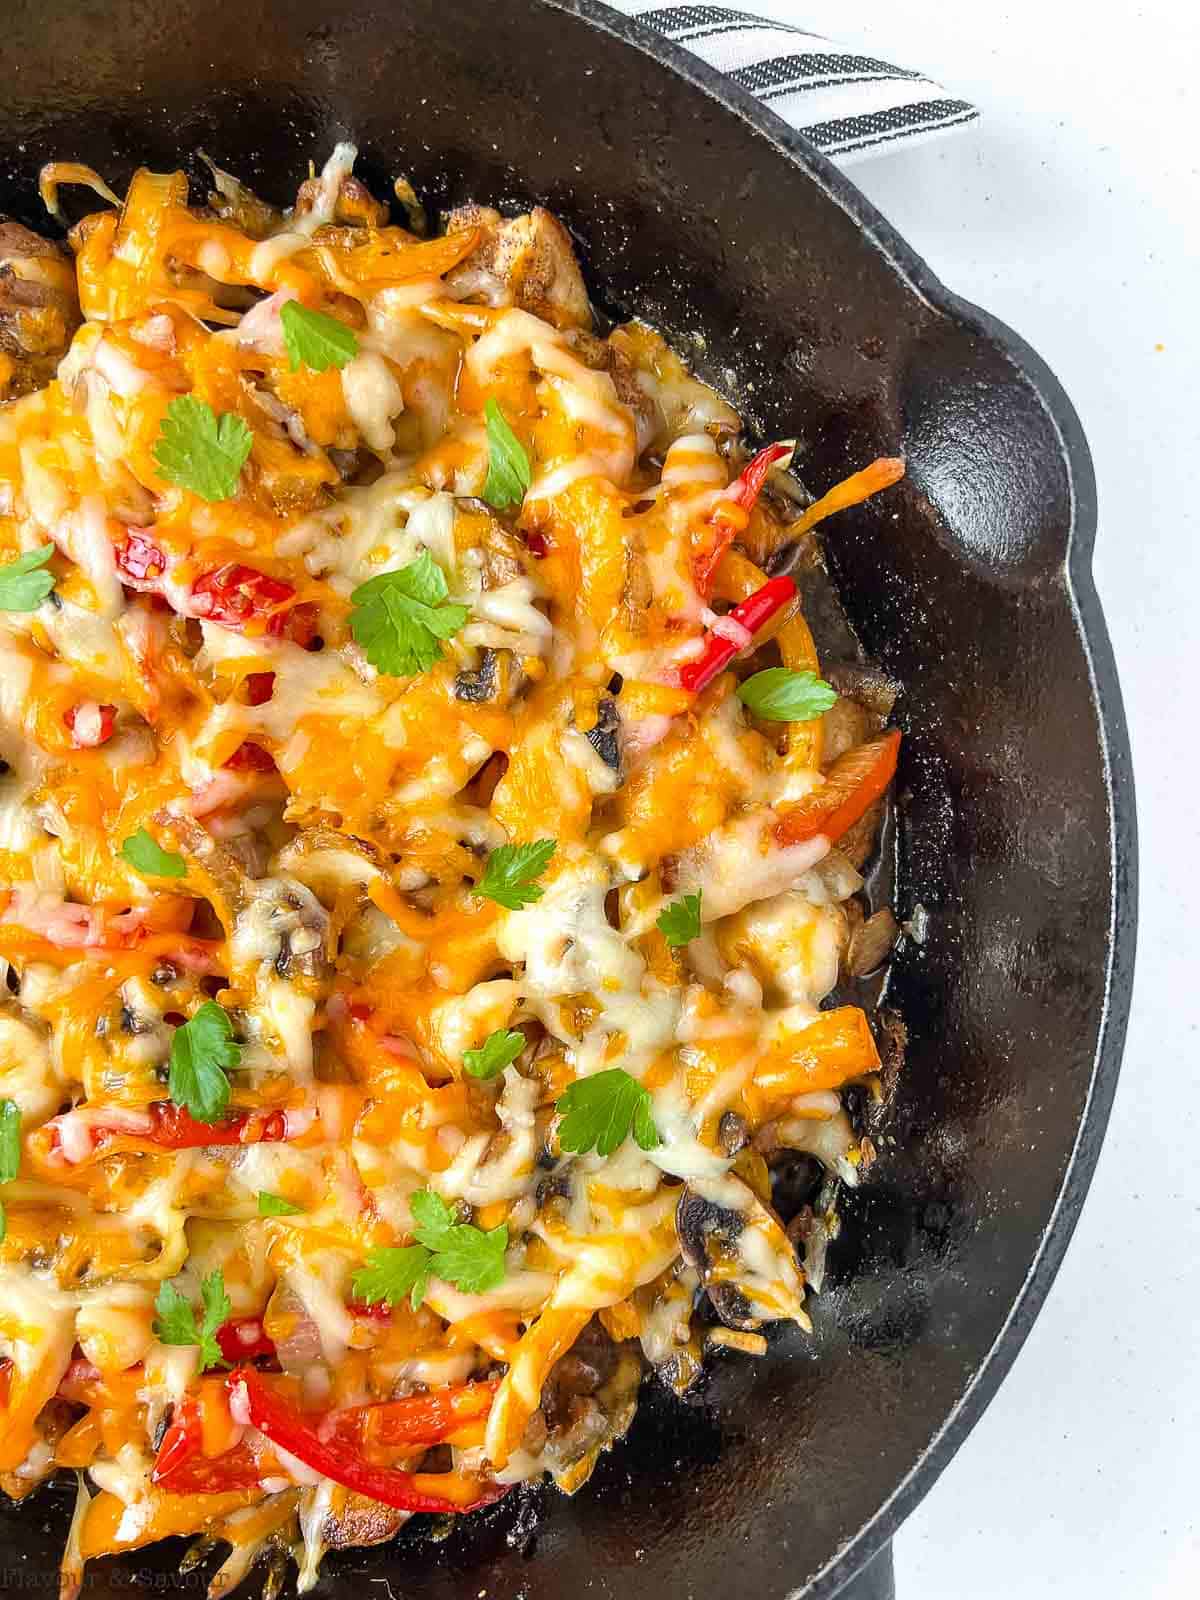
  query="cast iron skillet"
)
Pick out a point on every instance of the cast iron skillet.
point(700, 211)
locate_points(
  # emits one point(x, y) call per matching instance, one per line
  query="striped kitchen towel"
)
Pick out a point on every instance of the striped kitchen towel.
point(850, 105)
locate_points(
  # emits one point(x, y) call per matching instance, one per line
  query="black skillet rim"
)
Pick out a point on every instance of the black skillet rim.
point(1114, 739)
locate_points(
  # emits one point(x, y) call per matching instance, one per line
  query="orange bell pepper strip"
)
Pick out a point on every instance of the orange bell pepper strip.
point(831, 1051)
point(106, 1529)
point(852, 491)
point(851, 786)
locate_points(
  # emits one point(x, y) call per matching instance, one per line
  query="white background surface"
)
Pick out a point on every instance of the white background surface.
point(1070, 211)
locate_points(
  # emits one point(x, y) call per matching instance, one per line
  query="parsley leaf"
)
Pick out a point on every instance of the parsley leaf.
point(599, 1111)
point(456, 1252)
point(392, 1273)
point(780, 695)
point(509, 473)
point(679, 923)
point(176, 1322)
point(511, 869)
point(400, 618)
point(462, 1255)
point(472, 1260)
point(432, 1217)
point(145, 854)
point(274, 1205)
point(315, 340)
point(24, 583)
point(199, 450)
point(3, 1223)
point(499, 1050)
point(10, 1140)
point(202, 1051)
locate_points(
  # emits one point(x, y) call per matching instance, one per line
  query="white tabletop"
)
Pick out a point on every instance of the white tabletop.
point(1070, 211)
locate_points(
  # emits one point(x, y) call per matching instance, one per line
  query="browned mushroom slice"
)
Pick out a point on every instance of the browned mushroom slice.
point(355, 206)
point(234, 202)
point(745, 1261)
point(527, 261)
point(274, 925)
point(39, 309)
point(600, 1414)
point(329, 862)
point(361, 1522)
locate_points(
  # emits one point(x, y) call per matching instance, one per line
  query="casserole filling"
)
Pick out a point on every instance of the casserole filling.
point(428, 850)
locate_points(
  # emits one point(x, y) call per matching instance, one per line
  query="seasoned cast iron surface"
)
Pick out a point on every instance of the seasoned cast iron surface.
point(956, 583)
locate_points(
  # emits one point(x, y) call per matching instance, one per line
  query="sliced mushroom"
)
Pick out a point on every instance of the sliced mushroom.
point(355, 206)
point(868, 686)
point(361, 1522)
point(39, 309)
point(234, 202)
point(600, 1420)
point(482, 685)
point(668, 1340)
point(871, 943)
point(605, 736)
point(528, 262)
point(745, 1262)
point(284, 925)
point(328, 862)
point(830, 1140)
point(274, 925)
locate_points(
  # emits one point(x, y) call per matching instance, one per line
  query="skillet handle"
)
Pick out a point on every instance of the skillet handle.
point(876, 1581)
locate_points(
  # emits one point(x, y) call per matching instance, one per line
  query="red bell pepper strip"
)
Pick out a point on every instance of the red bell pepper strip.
point(282, 1425)
point(238, 1468)
point(181, 1467)
point(260, 686)
point(851, 786)
point(752, 614)
point(251, 757)
point(243, 1338)
point(93, 729)
point(231, 595)
point(79, 1383)
point(379, 1312)
point(180, 1442)
point(235, 594)
point(174, 1128)
point(732, 511)
point(417, 1419)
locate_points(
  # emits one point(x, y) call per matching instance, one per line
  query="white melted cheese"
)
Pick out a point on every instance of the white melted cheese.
point(504, 1167)
point(740, 862)
point(373, 398)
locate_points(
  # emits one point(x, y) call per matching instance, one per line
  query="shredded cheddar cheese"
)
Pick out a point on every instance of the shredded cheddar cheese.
point(249, 1056)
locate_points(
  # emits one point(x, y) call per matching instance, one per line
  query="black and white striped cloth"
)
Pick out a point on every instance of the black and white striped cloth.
point(850, 105)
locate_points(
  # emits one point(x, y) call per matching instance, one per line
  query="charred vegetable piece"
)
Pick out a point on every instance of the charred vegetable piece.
point(743, 1257)
point(39, 309)
point(481, 685)
point(605, 736)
